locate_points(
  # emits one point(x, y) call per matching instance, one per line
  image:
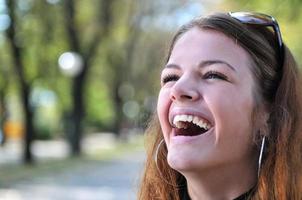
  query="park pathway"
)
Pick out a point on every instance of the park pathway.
point(115, 179)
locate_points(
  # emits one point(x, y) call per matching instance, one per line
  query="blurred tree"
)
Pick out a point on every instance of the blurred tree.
point(3, 110)
point(121, 44)
point(87, 52)
point(25, 86)
point(33, 51)
point(121, 52)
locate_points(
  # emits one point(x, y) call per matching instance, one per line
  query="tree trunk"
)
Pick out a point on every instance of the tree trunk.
point(3, 113)
point(29, 127)
point(25, 88)
point(118, 109)
point(78, 113)
point(78, 84)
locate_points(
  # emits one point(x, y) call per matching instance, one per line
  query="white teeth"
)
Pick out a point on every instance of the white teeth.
point(179, 119)
point(195, 120)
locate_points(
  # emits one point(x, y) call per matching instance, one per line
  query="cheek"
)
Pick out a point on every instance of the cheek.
point(163, 105)
point(233, 113)
point(234, 134)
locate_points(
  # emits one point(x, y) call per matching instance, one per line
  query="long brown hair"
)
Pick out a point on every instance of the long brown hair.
point(278, 86)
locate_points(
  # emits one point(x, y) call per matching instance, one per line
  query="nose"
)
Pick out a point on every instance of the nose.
point(184, 90)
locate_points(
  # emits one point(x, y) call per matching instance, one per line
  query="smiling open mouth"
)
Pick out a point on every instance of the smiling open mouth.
point(189, 125)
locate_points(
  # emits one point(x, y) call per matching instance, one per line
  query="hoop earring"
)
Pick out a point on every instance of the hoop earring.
point(156, 163)
point(261, 155)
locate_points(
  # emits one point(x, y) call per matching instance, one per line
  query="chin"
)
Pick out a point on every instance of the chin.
point(180, 161)
point(190, 161)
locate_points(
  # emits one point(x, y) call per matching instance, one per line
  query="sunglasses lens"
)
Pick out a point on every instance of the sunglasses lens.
point(251, 18)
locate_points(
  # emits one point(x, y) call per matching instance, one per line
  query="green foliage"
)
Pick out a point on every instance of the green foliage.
point(132, 54)
point(99, 107)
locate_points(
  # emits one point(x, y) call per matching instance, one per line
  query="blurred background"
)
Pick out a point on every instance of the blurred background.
point(78, 83)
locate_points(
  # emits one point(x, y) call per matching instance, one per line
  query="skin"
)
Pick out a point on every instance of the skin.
point(208, 75)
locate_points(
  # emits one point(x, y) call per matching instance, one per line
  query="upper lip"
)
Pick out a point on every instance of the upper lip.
point(189, 111)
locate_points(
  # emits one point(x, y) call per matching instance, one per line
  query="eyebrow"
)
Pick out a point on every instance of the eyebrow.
point(204, 63)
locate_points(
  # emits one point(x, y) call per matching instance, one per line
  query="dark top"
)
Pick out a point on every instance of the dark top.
point(185, 195)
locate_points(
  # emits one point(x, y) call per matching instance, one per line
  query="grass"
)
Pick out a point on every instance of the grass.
point(11, 174)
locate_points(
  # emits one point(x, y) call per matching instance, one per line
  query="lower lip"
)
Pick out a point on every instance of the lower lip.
point(181, 139)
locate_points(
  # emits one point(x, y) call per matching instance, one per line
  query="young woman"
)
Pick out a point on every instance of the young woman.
point(229, 114)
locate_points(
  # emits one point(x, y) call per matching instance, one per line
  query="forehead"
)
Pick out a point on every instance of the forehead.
point(197, 45)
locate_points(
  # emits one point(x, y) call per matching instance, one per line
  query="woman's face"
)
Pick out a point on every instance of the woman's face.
point(206, 102)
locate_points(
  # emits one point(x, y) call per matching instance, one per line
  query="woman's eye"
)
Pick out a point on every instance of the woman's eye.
point(215, 75)
point(169, 78)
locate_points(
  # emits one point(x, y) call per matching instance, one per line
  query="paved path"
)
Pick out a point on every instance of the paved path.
point(100, 180)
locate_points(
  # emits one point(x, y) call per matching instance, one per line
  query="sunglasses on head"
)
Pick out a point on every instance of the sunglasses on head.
point(254, 18)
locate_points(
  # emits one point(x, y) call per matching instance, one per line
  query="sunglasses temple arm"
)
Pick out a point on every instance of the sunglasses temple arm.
point(277, 31)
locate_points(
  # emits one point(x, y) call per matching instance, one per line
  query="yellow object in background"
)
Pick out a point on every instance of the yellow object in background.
point(13, 130)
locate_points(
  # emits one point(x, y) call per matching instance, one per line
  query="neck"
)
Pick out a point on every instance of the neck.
point(225, 183)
